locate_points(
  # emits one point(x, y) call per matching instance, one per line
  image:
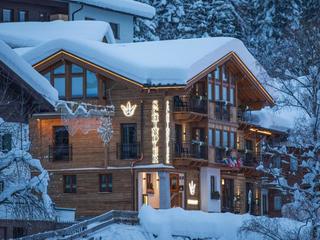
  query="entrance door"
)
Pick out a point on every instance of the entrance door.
point(175, 195)
point(227, 195)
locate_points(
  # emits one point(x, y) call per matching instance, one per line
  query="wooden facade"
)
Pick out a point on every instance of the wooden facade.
point(32, 10)
point(201, 124)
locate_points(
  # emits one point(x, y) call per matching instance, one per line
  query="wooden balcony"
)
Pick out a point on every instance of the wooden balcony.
point(190, 154)
point(59, 153)
point(190, 109)
point(128, 151)
point(247, 159)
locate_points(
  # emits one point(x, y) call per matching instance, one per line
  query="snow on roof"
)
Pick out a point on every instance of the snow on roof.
point(27, 73)
point(275, 119)
point(29, 34)
point(126, 6)
point(157, 62)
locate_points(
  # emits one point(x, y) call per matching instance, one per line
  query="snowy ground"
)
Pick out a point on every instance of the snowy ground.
point(163, 224)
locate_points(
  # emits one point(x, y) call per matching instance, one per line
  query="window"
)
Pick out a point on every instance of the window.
point(1, 186)
point(232, 96)
point(76, 69)
point(92, 84)
point(60, 70)
point(115, 29)
point(129, 146)
point(70, 183)
point(232, 140)
point(212, 187)
point(217, 92)
point(149, 183)
point(217, 74)
point(77, 86)
point(23, 16)
point(210, 137)
point(218, 138)
point(7, 15)
point(60, 85)
point(6, 142)
point(293, 165)
point(224, 73)
point(225, 138)
point(224, 94)
point(105, 182)
point(60, 149)
point(210, 91)
point(277, 203)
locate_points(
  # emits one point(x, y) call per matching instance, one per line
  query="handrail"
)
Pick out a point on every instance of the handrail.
point(82, 228)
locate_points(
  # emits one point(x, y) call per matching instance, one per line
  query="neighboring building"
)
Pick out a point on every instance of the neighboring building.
point(180, 138)
point(32, 10)
point(119, 14)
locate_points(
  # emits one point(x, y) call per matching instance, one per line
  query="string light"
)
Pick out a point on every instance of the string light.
point(168, 131)
point(155, 131)
point(128, 110)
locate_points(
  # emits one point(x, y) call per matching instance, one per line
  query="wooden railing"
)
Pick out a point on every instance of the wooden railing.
point(190, 104)
point(190, 150)
point(83, 228)
point(128, 150)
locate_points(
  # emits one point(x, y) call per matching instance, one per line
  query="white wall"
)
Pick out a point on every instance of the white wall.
point(125, 21)
point(208, 204)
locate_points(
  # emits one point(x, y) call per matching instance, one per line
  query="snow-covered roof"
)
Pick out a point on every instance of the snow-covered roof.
point(126, 6)
point(157, 62)
point(30, 34)
point(275, 119)
point(27, 73)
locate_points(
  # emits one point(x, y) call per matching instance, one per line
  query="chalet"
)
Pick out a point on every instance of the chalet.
point(119, 14)
point(180, 132)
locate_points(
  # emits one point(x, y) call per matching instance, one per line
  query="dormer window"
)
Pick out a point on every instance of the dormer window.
point(73, 81)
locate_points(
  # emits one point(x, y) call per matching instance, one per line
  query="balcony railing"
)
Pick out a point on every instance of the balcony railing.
point(225, 116)
point(128, 150)
point(249, 159)
point(190, 104)
point(191, 150)
point(60, 153)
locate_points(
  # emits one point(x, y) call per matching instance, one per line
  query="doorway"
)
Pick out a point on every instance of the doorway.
point(175, 194)
point(227, 195)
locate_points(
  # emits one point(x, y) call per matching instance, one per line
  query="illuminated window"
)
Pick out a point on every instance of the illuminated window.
point(149, 183)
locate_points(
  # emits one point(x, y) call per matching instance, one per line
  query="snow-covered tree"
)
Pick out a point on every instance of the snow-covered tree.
point(297, 87)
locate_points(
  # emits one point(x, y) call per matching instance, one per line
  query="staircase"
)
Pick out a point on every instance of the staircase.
point(85, 228)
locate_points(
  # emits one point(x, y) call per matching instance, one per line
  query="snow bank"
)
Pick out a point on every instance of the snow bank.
point(29, 34)
point(34, 79)
point(194, 224)
point(198, 224)
point(125, 6)
point(157, 62)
